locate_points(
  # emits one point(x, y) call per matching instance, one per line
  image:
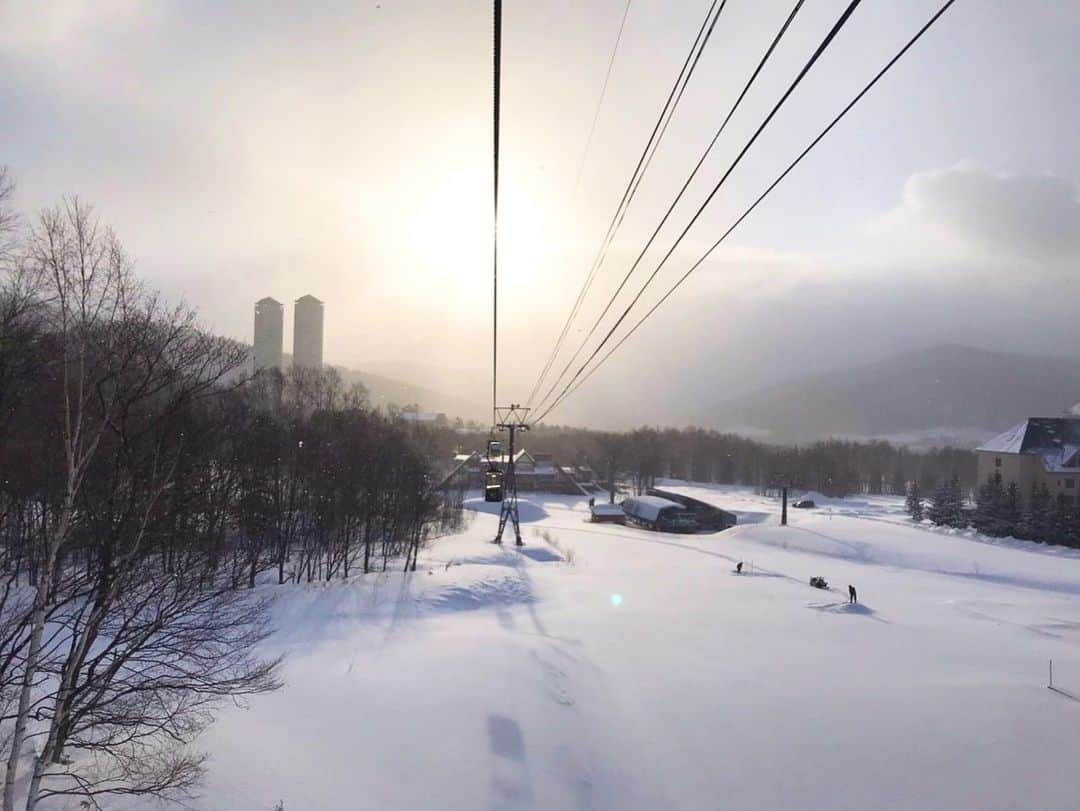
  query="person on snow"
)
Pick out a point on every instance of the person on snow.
point(852, 596)
point(738, 567)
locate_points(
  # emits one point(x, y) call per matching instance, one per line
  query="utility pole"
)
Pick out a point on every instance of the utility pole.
point(512, 419)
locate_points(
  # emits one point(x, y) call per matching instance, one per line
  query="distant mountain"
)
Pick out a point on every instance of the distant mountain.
point(384, 391)
point(942, 394)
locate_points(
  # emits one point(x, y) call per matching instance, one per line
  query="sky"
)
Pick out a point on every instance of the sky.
point(343, 149)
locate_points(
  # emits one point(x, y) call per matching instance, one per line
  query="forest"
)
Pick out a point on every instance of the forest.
point(148, 484)
point(832, 467)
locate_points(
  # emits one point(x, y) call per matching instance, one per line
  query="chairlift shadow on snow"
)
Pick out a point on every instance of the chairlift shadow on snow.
point(540, 554)
point(511, 785)
point(844, 607)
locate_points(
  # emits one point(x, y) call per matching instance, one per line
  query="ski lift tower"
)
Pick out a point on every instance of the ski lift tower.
point(782, 481)
point(512, 419)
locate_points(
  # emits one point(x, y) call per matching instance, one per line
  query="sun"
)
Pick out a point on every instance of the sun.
point(430, 229)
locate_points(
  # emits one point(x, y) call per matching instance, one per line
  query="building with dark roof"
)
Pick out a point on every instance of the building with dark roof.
point(708, 517)
point(1037, 451)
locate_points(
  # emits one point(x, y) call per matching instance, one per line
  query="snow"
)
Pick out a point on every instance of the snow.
point(646, 674)
point(648, 507)
point(1009, 441)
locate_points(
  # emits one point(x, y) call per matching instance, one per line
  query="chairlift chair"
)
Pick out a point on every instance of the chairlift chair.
point(493, 485)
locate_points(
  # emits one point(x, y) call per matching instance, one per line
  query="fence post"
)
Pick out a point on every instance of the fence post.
point(1051, 684)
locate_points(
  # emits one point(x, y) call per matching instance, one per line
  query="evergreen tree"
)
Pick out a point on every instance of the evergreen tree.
point(947, 506)
point(914, 502)
point(1059, 521)
point(937, 511)
point(989, 506)
point(1034, 519)
point(1010, 510)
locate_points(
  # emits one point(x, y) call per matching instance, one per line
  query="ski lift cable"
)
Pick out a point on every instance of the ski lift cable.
point(496, 75)
point(822, 47)
point(659, 128)
point(603, 93)
point(655, 138)
point(678, 198)
point(888, 66)
point(625, 210)
point(844, 17)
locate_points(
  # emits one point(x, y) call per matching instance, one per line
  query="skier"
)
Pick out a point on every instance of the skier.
point(738, 567)
point(852, 596)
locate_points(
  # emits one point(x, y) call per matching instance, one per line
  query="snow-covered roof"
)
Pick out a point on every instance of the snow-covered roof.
point(647, 507)
point(1007, 441)
point(1056, 440)
point(607, 509)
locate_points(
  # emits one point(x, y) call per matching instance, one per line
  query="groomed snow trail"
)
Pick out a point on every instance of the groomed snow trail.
point(647, 675)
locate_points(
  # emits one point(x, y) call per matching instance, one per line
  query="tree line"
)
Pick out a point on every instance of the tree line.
point(1000, 510)
point(831, 467)
point(148, 483)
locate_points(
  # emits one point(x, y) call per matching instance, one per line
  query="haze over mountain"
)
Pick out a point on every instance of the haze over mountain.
point(385, 391)
point(942, 394)
point(390, 391)
point(946, 393)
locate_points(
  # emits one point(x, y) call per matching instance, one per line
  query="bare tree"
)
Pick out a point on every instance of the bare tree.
point(151, 484)
point(87, 287)
point(171, 647)
point(122, 366)
point(9, 218)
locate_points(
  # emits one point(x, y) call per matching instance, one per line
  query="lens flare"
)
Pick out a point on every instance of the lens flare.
point(616, 600)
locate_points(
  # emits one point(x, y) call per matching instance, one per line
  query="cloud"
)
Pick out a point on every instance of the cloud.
point(27, 27)
point(967, 256)
point(971, 215)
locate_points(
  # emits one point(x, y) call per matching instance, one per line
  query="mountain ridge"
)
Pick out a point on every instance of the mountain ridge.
point(931, 391)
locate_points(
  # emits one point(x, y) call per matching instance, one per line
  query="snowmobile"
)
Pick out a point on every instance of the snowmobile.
point(819, 582)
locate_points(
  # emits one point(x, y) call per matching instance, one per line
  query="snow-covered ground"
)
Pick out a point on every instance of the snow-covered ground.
point(605, 667)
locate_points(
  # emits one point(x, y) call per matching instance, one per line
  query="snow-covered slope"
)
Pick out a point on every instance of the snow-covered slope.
point(646, 674)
